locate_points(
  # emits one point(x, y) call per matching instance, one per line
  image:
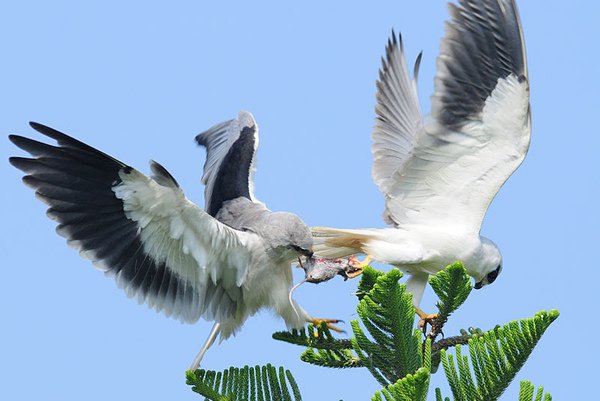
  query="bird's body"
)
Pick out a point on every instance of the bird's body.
point(268, 283)
point(223, 264)
point(440, 173)
point(415, 249)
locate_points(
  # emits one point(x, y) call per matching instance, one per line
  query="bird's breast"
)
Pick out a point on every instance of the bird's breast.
point(418, 249)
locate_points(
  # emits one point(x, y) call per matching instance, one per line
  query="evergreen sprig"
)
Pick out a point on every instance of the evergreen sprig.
point(526, 392)
point(494, 358)
point(323, 349)
point(452, 286)
point(390, 348)
point(388, 344)
point(258, 383)
point(412, 387)
point(393, 348)
point(314, 337)
point(331, 358)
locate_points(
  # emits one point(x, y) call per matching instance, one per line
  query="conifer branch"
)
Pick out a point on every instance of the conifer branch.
point(494, 358)
point(526, 392)
point(452, 286)
point(319, 338)
point(413, 387)
point(259, 383)
point(387, 343)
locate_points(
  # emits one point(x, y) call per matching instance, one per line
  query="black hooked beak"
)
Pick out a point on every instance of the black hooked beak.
point(478, 285)
point(304, 252)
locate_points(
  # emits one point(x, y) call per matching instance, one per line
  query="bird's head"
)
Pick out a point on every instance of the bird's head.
point(290, 238)
point(491, 263)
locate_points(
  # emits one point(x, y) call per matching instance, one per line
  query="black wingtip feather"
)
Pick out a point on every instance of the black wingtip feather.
point(44, 129)
point(20, 141)
point(417, 66)
point(76, 181)
point(17, 162)
point(162, 176)
point(483, 43)
point(201, 140)
point(68, 142)
point(14, 138)
point(62, 138)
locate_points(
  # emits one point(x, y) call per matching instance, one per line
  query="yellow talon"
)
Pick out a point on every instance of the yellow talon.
point(426, 318)
point(358, 266)
point(328, 322)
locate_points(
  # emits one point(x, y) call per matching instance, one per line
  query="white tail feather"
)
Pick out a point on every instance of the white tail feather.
point(338, 243)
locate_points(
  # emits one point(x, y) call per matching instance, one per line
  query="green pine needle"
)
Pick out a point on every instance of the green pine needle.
point(452, 286)
point(312, 337)
point(392, 349)
point(413, 387)
point(367, 280)
point(259, 383)
point(494, 358)
point(386, 342)
point(526, 392)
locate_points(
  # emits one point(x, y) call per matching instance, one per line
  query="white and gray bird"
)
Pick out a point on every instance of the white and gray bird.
point(223, 264)
point(439, 174)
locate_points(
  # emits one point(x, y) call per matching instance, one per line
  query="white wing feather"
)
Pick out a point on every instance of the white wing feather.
point(196, 247)
point(452, 181)
point(398, 115)
point(448, 170)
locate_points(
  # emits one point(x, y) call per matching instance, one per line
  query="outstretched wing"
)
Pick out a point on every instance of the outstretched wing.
point(398, 116)
point(159, 247)
point(480, 127)
point(229, 167)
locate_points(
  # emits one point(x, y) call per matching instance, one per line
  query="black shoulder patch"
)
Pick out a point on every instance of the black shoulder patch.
point(232, 180)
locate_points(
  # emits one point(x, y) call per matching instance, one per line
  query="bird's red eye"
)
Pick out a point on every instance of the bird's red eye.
point(493, 275)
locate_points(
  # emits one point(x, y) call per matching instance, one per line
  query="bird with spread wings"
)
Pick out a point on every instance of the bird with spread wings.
point(440, 173)
point(223, 264)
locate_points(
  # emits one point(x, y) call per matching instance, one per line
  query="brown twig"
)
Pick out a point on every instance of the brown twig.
point(436, 327)
point(446, 343)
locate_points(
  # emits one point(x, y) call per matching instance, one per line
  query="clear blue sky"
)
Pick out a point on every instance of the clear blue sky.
point(140, 79)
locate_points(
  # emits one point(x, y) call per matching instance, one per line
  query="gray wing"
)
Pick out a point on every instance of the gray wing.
point(229, 167)
point(483, 43)
point(158, 246)
point(480, 127)
point(398, 114)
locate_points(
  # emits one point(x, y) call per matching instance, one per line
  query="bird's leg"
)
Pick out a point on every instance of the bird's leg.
point(216, 329)
point(328, 322)
point(358, 266)
point(426, 318)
